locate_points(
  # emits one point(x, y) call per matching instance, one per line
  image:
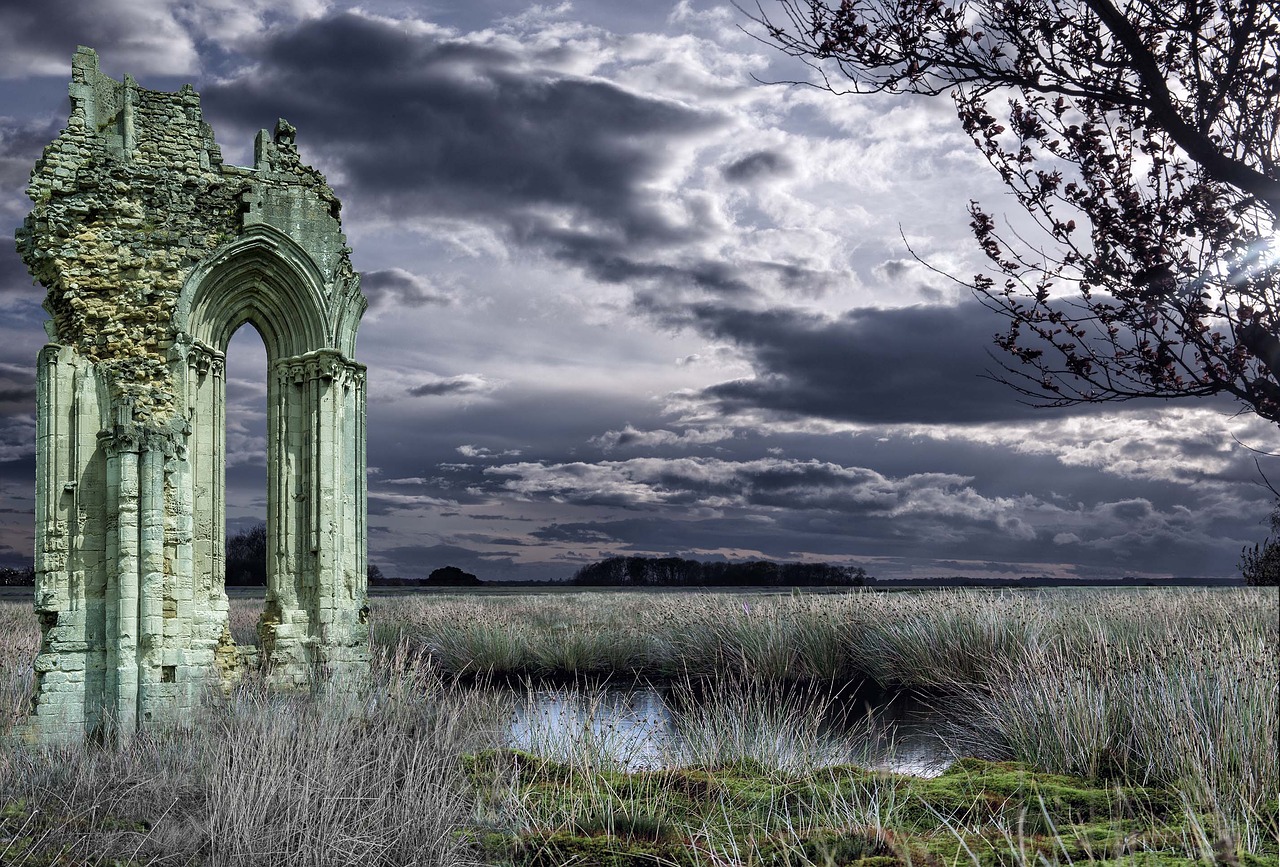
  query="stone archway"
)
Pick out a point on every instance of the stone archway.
point(315, 446)
point(153, 253)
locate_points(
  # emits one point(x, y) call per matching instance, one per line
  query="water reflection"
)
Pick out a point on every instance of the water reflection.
point(642, 726)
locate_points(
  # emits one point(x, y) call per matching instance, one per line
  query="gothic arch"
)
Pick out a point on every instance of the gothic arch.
point(263, 277)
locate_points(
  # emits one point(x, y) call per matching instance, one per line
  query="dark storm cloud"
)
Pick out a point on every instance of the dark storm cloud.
point(24, 396)
point(140, 37)
point(761, 164)
point(425, 126)
point(466, 383)
point(396, 286)
point(486, 539)
point(914, 364)
point(681, 538)
point(892, 270)
point(463, 124)
point(21, 143)
point(14, 276)
point(608, 259)
point(16, 284)
point(575, 532)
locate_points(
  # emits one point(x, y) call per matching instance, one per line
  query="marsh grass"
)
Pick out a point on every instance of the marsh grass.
point(19, 641)
point(1164, 696)
point(264, 779)
point(243, 620)
point(1145, 687)
point(789, 727)
point(1174, 692)
point(305, 782)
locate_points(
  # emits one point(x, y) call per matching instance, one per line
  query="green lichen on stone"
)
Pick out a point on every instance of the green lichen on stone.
point(121, 220)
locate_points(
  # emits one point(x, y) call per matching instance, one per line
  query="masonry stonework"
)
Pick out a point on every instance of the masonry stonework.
point(154, 252)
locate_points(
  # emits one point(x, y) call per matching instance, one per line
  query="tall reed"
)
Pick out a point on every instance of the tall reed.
point(765, 724)
point(1154, 698)
point(265, 779)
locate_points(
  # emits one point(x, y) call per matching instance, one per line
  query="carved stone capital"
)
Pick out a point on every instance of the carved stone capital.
point(202, 360)
point(328, 365)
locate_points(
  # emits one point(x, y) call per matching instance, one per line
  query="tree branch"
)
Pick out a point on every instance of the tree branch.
point(1198, 145)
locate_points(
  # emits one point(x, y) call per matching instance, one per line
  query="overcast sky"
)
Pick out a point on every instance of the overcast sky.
point(626, 299)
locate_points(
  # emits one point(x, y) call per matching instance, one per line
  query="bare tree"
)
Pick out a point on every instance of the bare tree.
point(1142, 138)
point(246, 560)
point(1260, 565)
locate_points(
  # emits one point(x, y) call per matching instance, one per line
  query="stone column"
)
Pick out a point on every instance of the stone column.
point(315, 473)
point(121, 443)
point(153, 702)
point(198, 483)
point(58, 701)
point(283, 629)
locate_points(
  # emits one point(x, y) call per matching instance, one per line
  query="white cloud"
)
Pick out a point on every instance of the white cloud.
point(630, 437)
point(1186, 445)
point(474, 451)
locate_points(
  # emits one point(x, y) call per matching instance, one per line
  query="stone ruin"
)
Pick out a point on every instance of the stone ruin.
point(153, 252)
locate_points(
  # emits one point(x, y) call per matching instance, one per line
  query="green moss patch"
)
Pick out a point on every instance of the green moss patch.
point(31, 837)
point(987, 813)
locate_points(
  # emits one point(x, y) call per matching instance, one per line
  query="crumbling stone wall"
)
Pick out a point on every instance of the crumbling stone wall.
point(119, 221)
point(153, 252)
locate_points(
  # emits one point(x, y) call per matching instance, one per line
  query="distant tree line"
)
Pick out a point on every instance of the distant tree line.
point(11, 577)
point(445, 576)
point(678, 572)
point(246, 563)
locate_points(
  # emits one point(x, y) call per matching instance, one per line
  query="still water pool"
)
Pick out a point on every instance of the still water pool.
point(643, 726)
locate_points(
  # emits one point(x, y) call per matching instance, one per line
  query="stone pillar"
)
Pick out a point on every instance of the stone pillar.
point(201, 609)
point(58, 706)
point(314, 621)
point(123, 584)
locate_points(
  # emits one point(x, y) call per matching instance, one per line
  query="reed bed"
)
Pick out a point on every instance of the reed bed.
point(763, 724)
point(1147, 686)
point(264, 779)
point(1175, 689)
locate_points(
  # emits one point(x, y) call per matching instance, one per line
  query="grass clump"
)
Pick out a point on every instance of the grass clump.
point(262, 779)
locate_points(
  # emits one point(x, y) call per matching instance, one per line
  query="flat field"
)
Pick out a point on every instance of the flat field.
point(1097, 726)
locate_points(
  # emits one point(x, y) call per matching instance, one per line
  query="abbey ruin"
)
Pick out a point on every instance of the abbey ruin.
point(154, 252)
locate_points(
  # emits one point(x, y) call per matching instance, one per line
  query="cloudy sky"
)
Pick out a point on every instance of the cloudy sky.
point(625, 298)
